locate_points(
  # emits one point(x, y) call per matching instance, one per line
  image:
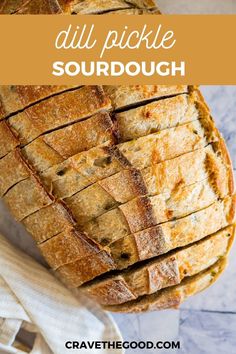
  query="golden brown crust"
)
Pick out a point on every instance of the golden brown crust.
point(172, 297)
point(80, 171)
point(8, 141)
point(67, 247)
point(77, 273)
point(15, 98)
point(190, 168)
point(48, 222)
point(144, 212)
point(111, 292)
point(167, 144)
point(125, 185)
point(123, 96)
point(167, 177)
point(58, 111)
point(221, 148)
point(46, 152)
point(40, 155)
point(77, 7)
point(159, 115)
point(161, 272)
point(13, 170)
point(232, 210)
point(26, 197)
point(82, 136)
point(88, 7)
point(107, 195)
point(140, 214)
point(2, 109)
point(90, 203)
point(57, 146)
point(20, 7)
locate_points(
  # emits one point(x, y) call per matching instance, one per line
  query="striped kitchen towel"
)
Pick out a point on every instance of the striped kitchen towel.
point(31, 298)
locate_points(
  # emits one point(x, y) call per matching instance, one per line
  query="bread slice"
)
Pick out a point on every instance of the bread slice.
point(48, 222)
point(91, 7)
point(10, 141)
point(38, 153)
point(13, 162)
point(77, 273)
point(161, 272)
point(67, 246)
point(58, 111)
point(27, 197)
point(61, 144)
point(156, 241)
point(82, 170)
point(173, 297)
point(160, 115)
point(15, 98)
point(212, 161)
point(128, 96)
point(84, 208)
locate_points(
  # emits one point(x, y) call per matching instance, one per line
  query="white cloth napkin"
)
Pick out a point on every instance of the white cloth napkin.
point(31, 297)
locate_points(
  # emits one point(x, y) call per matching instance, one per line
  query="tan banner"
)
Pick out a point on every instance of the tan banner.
point(118, 49)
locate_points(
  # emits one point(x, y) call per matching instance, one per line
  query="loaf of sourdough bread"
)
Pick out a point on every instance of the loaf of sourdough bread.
point(127, 190)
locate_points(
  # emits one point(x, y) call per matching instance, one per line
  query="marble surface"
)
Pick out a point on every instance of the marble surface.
point(206, 332)
point(197, 6)
point(206, 323)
